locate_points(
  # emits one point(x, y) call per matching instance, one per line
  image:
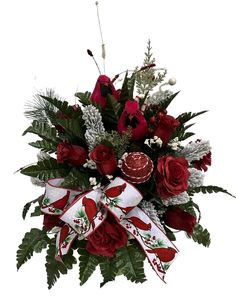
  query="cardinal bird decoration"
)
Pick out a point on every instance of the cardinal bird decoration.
point(90, 208)
point(164, 254)
point(59, 204)
point(103, 88)
point(139, 223)
point(115, 191)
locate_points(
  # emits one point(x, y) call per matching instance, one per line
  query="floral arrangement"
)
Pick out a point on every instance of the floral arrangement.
point(119, 175)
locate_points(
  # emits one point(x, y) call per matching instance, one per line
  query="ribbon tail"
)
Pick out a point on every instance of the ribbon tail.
point(160, 251)
point(64, 240)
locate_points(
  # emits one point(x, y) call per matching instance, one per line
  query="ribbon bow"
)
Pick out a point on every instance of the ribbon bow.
point(84, 212)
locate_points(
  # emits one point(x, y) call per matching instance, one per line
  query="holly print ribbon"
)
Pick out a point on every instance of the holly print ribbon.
point(84, 212)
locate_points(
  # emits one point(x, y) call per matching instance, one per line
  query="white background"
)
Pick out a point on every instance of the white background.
point(43, 44)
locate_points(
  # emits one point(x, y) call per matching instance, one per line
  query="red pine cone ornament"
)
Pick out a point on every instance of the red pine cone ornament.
point(137, 167)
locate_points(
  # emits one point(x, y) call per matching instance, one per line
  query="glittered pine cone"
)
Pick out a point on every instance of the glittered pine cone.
point(137, 167)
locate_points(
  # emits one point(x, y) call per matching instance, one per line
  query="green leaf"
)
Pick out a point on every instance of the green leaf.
point(187, 116)
point(37, 211)
point(201, 235)
point(28, 204)
point(87, 265)
point(76, 178)
point(124, 94)
point(108, 270)
point(55, 268)
point(129, 260)
point(84, 98)
point(27, 247)
point(112, 107)
point(165, 103)
point(208, 190)
point(73, 126)
point(131, 84)
point(44, 145)
point(63, 106)
point(43, 130)
point(45, 169)
point(169, 234)
point(40, 245)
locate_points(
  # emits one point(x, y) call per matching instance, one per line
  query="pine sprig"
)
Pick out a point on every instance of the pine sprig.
point(208, 190)
point(55, 268)
point(45, 169)
point(87, 265)
point(30, 243)
point(201, 235)
point(146, 80)
point(41, 110)
point(129, 260)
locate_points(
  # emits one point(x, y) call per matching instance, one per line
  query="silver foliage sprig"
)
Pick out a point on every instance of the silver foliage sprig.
point(182, 198)
point(94, 126)
point(195, 150)
point(196, 178)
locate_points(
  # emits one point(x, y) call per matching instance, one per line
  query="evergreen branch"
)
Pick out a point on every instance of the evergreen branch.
point(45, 169)
point(76, 179)
point(129, 260)
point(208, 190)
point(108, 270)
point(28, 245)
point(73, 126)
point(41, 110)
point(43, 130)
point(84, 98)
point(55, 268)
point(201, 235)
point(44, 145)
point(165, 103)
point(87, 264)
point(187, 116)
point(63, 106)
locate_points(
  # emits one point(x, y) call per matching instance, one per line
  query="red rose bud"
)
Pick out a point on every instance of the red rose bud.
point(203, 163)
point(73, 154)
point(171, 176)
point(105, 159)
point(50, 221)
point(165, 127)
point(133, 118)
point(102, 88)
point(180, 220)
point(107, 238)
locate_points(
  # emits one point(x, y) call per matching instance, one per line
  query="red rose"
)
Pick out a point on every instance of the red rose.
point(75, 155)
point(102, 88)
point(179, 219)
point(133, 118)
point(165, 127)
point(203, 163)
point(105, 159)
point(107, 238)
point(50, 221)
point(172, 176)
